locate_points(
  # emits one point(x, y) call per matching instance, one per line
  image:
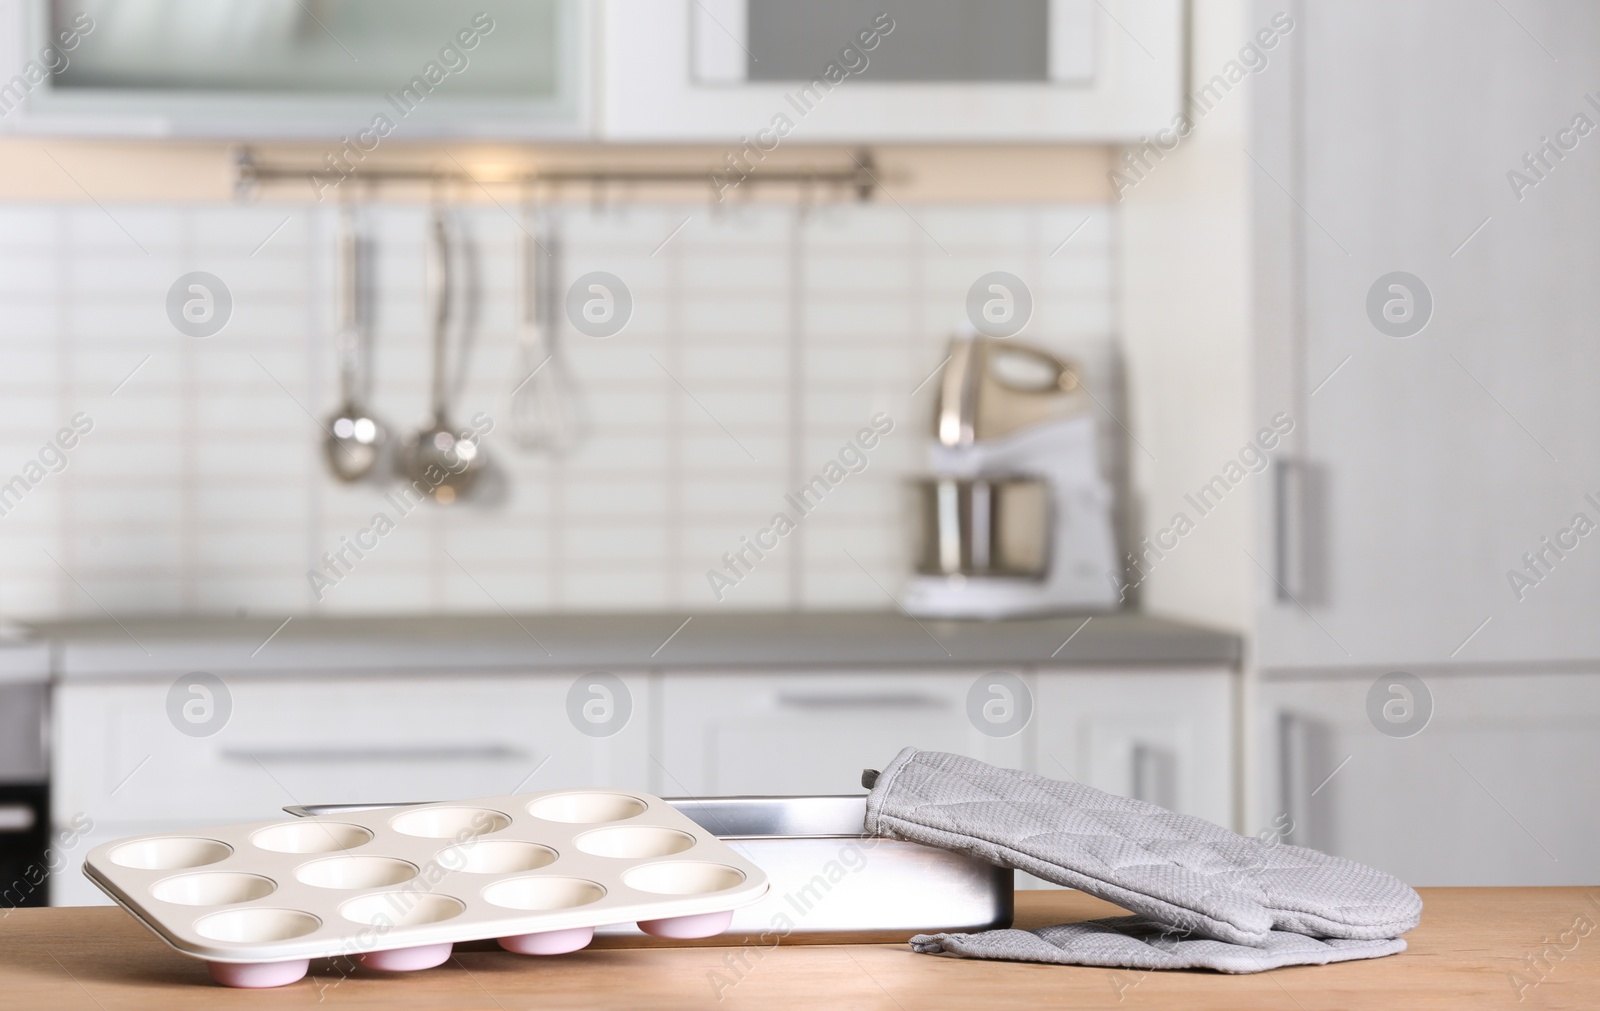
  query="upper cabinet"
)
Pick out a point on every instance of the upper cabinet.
point(890, 70)
point(722, 71)
point(324, 69)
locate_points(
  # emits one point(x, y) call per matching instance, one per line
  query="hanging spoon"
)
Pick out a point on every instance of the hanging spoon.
point(436, 459)
point(354, 436)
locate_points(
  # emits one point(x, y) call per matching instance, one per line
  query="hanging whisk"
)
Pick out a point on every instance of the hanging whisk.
point(545, 414)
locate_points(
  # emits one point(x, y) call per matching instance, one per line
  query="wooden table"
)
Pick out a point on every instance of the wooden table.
point(1464, 955)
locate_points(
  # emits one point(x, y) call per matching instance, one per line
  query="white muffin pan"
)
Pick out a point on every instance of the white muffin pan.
point(394, 889)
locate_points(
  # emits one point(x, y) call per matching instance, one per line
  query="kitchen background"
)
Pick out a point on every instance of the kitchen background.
point(1320, 267)
point(761, 339)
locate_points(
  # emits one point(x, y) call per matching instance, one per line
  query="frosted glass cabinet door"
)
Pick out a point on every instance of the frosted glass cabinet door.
point(1446, 428)
point(311, 68)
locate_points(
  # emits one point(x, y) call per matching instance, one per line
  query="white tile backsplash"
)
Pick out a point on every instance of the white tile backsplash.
point(760, 332)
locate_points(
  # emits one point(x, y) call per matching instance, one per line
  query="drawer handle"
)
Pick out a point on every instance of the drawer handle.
point(884, 700)
point(17, 817)
point(442, 753)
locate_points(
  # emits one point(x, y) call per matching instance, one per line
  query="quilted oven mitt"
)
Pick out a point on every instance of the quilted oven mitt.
point(1204, 896)
point(1133, 942)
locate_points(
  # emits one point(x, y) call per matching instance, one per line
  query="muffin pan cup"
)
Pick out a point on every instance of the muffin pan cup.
point(395, 888)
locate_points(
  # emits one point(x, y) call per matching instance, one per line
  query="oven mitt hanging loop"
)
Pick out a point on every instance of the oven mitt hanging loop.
point(1188, 877)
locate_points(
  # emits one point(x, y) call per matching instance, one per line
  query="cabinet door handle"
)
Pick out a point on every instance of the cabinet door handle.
point(1294, 746)
point(440, 753)
point(1143, 774)
point(851, 700)
point(1287, 502)
point(1154, 776)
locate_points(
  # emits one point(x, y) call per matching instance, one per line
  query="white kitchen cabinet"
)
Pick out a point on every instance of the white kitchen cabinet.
point(1496, 789)
point(800, 733)
point(359, 74)
point(1166, 736)
point(310, 740)
point(121, 762)
point(1091, 71)
point(1163, 737)
point(725, 71)
point(1432, 464)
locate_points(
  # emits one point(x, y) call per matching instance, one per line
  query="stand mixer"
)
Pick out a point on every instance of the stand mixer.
point(1015, 518)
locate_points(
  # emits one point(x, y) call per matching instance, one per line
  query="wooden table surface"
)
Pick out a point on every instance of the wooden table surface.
point(1471, 949)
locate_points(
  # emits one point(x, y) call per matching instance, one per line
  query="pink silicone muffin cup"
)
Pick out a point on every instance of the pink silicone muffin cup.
point(422, 956)
point(549, 942)
point(258, 975)
point(685, 927)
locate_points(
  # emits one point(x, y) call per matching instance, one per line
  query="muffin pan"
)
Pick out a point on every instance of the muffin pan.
point(396, 888)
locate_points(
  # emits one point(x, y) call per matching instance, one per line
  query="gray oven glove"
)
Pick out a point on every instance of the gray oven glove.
point(1187, 875)
point(1133, 942)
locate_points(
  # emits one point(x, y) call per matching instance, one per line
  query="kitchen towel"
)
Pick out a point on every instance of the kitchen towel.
point(1189, 877)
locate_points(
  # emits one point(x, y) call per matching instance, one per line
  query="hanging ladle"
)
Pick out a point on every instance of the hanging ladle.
point(439, 462)
point(354, 437)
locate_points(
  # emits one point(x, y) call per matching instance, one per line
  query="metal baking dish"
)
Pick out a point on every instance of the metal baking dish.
point(827, 878)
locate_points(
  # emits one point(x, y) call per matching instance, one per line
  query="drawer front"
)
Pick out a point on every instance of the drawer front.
point(122, 758)
point(813, 733)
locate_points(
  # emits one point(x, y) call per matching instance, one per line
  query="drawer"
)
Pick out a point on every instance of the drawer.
point(120, 758)
point(773, 733)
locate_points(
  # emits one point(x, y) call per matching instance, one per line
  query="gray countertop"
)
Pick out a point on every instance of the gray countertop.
point(564, 642)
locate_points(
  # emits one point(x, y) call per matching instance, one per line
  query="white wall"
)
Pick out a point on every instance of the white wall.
point(1185, 317)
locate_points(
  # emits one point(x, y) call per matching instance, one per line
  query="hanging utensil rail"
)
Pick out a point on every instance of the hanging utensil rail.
point(862, 177)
